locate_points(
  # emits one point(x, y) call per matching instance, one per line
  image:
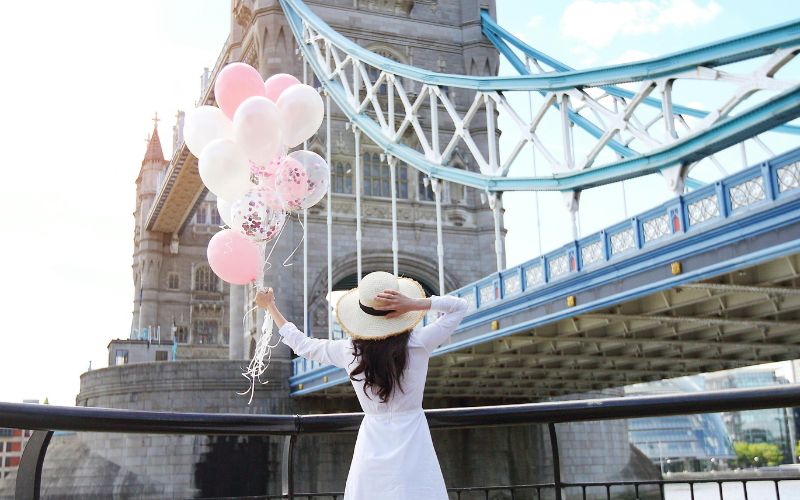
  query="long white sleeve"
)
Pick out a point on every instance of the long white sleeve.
point(454, 309)
point(330, 352)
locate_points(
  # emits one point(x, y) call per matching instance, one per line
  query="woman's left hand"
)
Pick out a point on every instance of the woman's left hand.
point(266, 298)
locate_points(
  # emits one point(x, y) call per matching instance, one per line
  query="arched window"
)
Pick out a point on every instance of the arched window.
point(374, 73)
point(402, 180)
point(200, 215)
point(216, 220)
point(377, 178)
point(351, 282)
point(173, 281)
point(205, 280)
point(342, 178)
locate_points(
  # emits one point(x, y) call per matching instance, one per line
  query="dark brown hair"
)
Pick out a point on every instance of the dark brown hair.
point(382, 362)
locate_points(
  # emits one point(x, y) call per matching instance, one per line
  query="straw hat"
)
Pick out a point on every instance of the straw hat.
point(356, 311)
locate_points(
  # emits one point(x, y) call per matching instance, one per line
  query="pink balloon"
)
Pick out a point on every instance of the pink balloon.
point(235, 83)
point(267, 170)
point(291, 181)
point(276, 84)
point(233, 258)
point(273, 166)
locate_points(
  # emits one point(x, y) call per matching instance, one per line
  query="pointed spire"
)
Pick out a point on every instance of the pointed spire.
point(154, 151)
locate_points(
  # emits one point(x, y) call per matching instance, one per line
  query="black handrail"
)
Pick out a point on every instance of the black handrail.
point(45, 418)
point(79, 418)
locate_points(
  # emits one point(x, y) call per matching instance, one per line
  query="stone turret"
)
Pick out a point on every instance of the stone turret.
point(147, 245)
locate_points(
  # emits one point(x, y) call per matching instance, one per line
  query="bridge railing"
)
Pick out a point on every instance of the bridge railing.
point(45, 419)
point(755, 186)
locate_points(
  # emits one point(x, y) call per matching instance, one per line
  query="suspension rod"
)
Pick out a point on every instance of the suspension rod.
point(329, 214)
point(436, 186)
point(393, 180)
point(357, 136)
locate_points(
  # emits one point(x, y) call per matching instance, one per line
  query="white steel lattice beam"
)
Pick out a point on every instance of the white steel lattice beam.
point(616, 118)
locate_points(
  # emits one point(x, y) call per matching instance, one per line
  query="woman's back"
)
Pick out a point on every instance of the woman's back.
point(407, 396)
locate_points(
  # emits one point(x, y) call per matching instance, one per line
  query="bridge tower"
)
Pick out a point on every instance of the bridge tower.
point(175, 292)
point(439, 35)
point(146, 244)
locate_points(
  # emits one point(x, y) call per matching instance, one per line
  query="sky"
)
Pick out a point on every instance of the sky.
point(80, 85)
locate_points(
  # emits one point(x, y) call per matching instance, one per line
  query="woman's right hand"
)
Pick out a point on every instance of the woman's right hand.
point(265, 298)
point(399, 304)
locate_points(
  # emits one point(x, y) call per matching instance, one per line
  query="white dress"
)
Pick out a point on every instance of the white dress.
point(394, 457)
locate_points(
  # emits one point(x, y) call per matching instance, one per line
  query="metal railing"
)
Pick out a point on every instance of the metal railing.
point(766, 183)
point(45, 419)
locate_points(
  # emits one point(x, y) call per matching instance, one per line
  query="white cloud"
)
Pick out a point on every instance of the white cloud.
point(597, 23)
point(587, 56)
point(630, 55)
point(535, 21)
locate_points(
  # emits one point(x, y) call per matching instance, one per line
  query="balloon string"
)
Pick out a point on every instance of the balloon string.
point(298, 245)
point(261, 358)
point(267, 264)
point(264, 346)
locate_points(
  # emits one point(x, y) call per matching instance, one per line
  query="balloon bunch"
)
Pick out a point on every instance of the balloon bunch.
point(242, 147)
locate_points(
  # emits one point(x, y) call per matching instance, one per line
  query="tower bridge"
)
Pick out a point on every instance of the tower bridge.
point(703, 282)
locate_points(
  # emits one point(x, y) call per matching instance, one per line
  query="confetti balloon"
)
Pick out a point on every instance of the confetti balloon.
point(275, 200)
point(291, 182)
point(257, 216)
point(318, 176)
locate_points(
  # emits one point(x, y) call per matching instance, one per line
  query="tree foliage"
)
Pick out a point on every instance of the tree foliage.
point(757, 454)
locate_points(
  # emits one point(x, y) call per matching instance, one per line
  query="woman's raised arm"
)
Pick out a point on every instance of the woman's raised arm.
point(329, 352)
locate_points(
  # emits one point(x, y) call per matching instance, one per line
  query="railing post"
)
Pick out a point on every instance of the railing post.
point(287, 467)
point(556, 463)
point(29, 474)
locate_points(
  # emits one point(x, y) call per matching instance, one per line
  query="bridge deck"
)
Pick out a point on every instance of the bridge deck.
point(704, 282)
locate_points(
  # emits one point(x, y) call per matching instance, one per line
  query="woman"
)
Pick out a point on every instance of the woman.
point(386, 357)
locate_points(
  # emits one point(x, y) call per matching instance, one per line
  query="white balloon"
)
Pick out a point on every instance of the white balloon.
point(257, 129)
point(203, 125)
point(225, 170)
point(302, 111)
point(224, 209)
